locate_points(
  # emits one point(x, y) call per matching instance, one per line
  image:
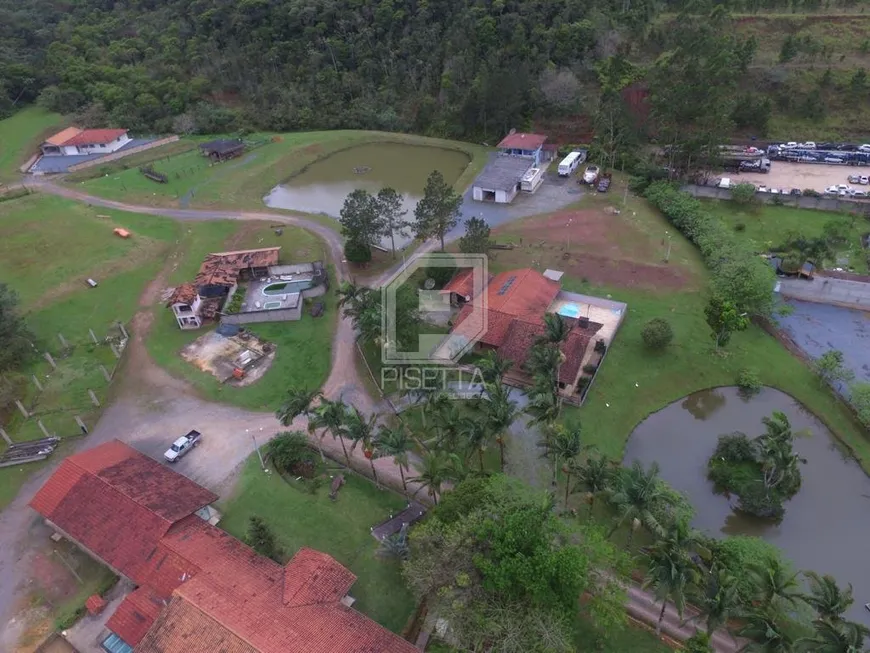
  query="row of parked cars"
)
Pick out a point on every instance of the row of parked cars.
point(844, 190)
point(811, 145)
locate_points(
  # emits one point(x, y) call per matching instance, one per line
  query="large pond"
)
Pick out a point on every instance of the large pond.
point(827, 524)
point(323, 186)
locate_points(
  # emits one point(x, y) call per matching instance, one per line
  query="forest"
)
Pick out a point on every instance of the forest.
point(454, 68)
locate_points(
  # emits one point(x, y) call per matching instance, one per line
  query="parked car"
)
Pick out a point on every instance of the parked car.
point(762, 189)
point(833, 159)
point(796, 192)
point(810, 145)
point(774, 191)
point(604, 183)
point(832, 190)
point(182, 445)
point(864, 180)
point(725, 182)
point(864, 148)
point(859, 194)
point(789, 146)
point(854, 179)
point(590, 176)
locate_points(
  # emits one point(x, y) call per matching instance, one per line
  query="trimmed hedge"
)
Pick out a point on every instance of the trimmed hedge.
point(739, 275)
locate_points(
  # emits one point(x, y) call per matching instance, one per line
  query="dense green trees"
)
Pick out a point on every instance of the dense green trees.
point(16, 340)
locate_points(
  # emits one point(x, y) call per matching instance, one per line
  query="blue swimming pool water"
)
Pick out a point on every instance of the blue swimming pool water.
point(570, 310)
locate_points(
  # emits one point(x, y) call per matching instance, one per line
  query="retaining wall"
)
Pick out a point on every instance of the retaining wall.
point(123, 153)
point(804, 202)
point(828, 290)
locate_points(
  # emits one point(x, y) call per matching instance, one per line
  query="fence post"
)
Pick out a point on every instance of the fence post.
point(63, 341)
point(50, 361)
point(36, 383)
point(123, 330)
point(106, 373)
point(42, 428)
point(114, 350)
point(23, 410)
point(94, 399)
point(81, 424)
point(5, 436)
point(93, 336)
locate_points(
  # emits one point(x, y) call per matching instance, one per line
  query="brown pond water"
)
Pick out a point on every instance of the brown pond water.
point(827, 524)
point(324, 185)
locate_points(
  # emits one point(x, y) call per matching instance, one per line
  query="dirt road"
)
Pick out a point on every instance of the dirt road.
point(150, 407)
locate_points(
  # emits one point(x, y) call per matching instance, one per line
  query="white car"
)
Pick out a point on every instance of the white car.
point(762, 189)
point(809, 145)
point(789, 146)
point(590, 175)
point(833, 159)
point(832, 190)
point(864, 180)
point(864, 148)
point(854, 179)
point(774, 191)
point(859, 194)
point(725, 182)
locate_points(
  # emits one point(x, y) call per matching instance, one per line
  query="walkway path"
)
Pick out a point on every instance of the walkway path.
point(150, 406)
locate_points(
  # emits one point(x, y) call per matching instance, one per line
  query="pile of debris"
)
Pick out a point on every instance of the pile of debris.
point(28, 452)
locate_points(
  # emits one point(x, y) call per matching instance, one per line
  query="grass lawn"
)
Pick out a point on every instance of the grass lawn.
point(766, 226)
point(48, 248)
point(303, 348)
point(245, 181)
point(688, 365)
point(339, 528)
point(20, 136)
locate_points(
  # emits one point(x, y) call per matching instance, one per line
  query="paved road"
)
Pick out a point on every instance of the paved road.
point(150, 408)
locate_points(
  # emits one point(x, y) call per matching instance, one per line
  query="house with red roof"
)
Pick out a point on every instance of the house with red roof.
point(512, 321)
point(198, 589)
point(74, 141)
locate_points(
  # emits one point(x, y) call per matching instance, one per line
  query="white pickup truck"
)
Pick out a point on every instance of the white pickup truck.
point(182, 445)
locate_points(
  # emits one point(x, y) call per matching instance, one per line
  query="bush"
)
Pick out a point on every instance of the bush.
point(748, 381)
point(358, 253)
point(734, 447)
point(739, 276)
point(589, 369)
point(698, 643)
point(600, 346)
point(234, 305)
point(741, 552)
point(290, 454)
point(740, 227)
point(743, 193)
point(657, 333)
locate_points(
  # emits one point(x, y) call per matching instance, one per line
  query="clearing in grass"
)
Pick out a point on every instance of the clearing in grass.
point(340, 528)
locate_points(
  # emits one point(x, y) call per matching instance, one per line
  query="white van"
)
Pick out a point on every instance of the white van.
point(725, 182)
point(569, 163)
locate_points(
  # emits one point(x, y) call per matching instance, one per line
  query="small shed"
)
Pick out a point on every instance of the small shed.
point(501, 179)
point(222, 149)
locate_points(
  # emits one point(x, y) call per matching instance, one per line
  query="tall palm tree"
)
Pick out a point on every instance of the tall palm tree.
point(777, 427)
point(329, 415)
point(543, 364)
point(593, 476)
point(542, 406)
point(476, 434)
point(500, 413)
point(639, 495)
point(826, 597)
point(435, 468)
point(766, 632)
point(493, 367)
point(718, 599)
point(397, 443)
point(448, 427)
point(434, 403)
point(361, 431)
point(671, 572)
point(556, 331)
point(839, 637)
point(775, 584)
point(563, 443)
point(298, 402)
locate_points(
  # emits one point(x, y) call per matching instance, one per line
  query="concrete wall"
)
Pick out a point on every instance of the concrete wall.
point(821, 203)
point(123, 153)
point(253, 317)
point(827, 290)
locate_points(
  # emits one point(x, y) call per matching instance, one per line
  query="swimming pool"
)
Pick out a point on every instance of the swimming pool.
point(570, 310)
point(287, 287)
point(269, 306)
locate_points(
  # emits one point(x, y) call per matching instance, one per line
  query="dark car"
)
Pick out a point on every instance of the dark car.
point(795, 191)
point(604, 185)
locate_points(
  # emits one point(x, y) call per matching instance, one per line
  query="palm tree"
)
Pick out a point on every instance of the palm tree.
point(556, 332)
point(639, 497)
point(826, 597)
point(718, 601)
point(435, 468)
point(775, 584)
point(395, 442)
point(298, 402)
point(564, 443)
point(777, 427)
point(361, 431)
point(766, 632)
point(448, 427)
point(500, 413)
point(671, 571)
point(543, 406)
point(476, 434)
point(543, 364)
point(838, 637)
point(329, 415)
point(493, 368)
point(593, 477)
point(434, 403)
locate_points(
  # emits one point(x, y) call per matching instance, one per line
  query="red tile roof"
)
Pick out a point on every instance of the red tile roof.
point(314, 577)
point(462, 283)
point(95, 136)
point(223, 268)
point(521, 141)
point(118, 503)
point(183, 294)
point(134, 617)
point(181, 628)
point(63, 136)
point(95, 604)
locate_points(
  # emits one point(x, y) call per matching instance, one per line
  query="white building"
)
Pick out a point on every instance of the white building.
point(501, 179)
point(74, 141)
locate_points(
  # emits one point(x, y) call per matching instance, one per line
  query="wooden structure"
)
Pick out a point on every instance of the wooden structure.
point(222, 149)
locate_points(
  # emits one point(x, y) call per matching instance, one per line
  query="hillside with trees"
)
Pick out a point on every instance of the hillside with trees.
point(456, 68)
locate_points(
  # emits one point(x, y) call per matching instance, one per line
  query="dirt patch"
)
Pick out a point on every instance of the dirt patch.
point(595, 245)
point(314, 148)
point(221, 356)
point(784, 175)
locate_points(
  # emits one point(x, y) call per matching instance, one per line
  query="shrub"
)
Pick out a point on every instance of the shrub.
point(743, 193)
point(290, 454)
point(600, 346)
point(589, 369)
point(740, 227)
point(698, 643)
point(748, 381)
point(734, 447)
point(741, 552)
point(261, 538)
point(657, 333)
point(778, 200)
point(358, 253)
point(234, 305)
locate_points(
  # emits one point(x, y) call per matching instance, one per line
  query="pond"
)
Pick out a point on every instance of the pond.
point(827, 524)
point(323, 186)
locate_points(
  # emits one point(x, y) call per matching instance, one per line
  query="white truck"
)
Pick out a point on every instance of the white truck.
point(591, 175)
point(569, 163)
point(182, 445)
